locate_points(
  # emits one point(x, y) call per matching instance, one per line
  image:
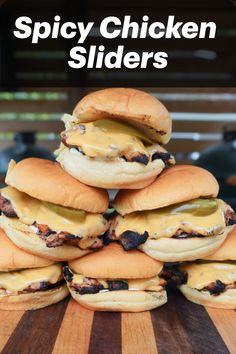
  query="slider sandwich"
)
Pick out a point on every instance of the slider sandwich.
point(115, 280)
point(176, 218)
point(113, 139)
point(212, 281)
point(28, 282)
point(49, 213)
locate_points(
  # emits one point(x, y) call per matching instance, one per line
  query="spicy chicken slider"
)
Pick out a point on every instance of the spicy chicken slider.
point(176, 218)
point(28, 282)
point(114, 280)
point(113, 139)
point(212, 281)
point(49, 213)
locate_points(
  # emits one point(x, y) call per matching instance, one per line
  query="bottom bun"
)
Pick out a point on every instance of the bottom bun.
point(121, 300)
point(226, 300)
point(109, 174)
point(33, 301)
point(177, 250)
point(22, 236)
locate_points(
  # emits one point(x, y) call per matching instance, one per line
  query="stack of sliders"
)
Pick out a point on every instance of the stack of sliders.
point(212, 281)
point(114, 139)
point(28, 282)
point(178, 218)
point(49, 213)
point(47, 216)
point(164, 213)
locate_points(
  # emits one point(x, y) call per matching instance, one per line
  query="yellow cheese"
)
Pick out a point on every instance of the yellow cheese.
point(202, 274)
point(78, 278)
point(107, 138)
point(76, 222)
point(165, 222)
point(18, 281)
point(151, 284)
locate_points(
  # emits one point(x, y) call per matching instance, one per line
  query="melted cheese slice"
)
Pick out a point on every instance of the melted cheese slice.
point(76, 222)
point(107, 138)
point(151, 284)
point(166, 221)
point(202, 274)
point(18, 281)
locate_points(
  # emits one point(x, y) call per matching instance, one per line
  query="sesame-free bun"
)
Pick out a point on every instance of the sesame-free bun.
point(227, 251)
point(33, 301)
point(134, 106)
point(179, 250)
point(112, 262)
point(23, 237)
point(122, 300)
point(112, 174)
point(47, 181)
point(176, 184)
point(12, 257)
point(225, 300)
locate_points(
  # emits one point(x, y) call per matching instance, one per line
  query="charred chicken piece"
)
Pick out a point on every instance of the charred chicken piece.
point(172, 272)
point(230, 217)
point(215, 288)
point(108, 237)
point(7, 208)
point(43, 229)
point(164, 156)
point(89, 286)
point(68, 274)
point(180, 234)
point(130, 239)
point(42, 286)
point(54, 240)
point(114, 285)
point(139, 157)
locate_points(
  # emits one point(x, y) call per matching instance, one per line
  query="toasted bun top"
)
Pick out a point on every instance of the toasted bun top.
point(137, 107)
point(176, 184)
point(12, 257)
point(112, 262)
point(227, 250)
point(47, 181)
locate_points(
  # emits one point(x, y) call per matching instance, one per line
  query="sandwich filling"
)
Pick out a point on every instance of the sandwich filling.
point(85, 285)
point(196, 218)
point(31, 280)
point(54, 224)
point(112, 139)
point(212, 277)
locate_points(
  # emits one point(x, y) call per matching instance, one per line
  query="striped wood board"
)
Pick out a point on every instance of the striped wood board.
point(67, 328)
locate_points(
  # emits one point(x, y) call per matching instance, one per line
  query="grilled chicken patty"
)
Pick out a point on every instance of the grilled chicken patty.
point(37, 286)
point(89, 285)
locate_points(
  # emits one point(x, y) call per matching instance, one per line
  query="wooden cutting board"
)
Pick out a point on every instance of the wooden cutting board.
point(67, 328)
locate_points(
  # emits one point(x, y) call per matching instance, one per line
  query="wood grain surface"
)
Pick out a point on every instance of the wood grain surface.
point(67, 328)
